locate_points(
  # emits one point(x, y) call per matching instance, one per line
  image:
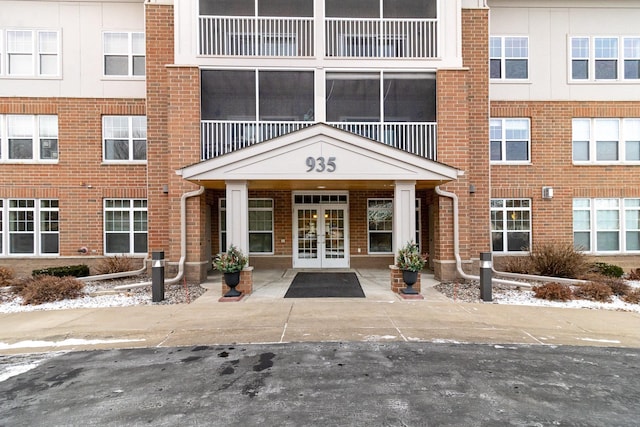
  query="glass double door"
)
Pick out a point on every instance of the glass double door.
point(321, 237)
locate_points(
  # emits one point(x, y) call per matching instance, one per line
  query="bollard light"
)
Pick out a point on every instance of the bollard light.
point(485, 276)
point(157, 276)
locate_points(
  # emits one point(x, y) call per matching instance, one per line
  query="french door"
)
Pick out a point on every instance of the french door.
point(321, 236)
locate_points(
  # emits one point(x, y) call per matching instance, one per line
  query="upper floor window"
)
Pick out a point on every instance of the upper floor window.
point(605, 58)
point(509, 58)
point(124, 54)
point(510, 140)
point(606, 140)
point(125, 138)
point(31, 227)
point(510, 225)
point(28, 53)
point(256, 8)
point(28, 138)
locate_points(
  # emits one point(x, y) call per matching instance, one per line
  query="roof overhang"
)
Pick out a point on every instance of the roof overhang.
point(319, 156)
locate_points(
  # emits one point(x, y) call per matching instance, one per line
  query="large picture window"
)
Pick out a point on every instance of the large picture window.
point(125, 138)
point(606, 140)
point(509, 58)
point(511, 225)
point(124, 54)
point(260, 226)
point(27, 137)
point(510, 140)
point(605, 58)
point(125, 226)
point(606, 225)
point(31, 227)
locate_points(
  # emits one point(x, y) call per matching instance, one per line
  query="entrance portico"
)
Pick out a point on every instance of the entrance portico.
point(331, 164)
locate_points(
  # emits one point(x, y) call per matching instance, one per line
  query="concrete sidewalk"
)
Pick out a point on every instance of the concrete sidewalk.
point(266, 317)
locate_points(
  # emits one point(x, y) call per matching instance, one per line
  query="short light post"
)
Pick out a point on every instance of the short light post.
point(157, 276)
point(485, 276)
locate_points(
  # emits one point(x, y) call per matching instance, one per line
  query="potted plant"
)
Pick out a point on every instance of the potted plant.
point(410, 261)
point(231, 263)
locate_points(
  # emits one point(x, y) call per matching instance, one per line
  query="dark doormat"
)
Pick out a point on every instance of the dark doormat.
point(325, 285)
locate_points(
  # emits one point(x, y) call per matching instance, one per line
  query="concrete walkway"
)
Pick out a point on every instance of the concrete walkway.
point(266, 317)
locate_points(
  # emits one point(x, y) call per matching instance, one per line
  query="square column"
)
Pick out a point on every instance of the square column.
point(238, 215)
point(404, 214)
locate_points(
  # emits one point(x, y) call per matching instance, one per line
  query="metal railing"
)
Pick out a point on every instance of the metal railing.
point(255, 36)
point(220, 137)
point(381, 38)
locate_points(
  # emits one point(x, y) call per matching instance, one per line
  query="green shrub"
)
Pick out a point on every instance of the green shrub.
point(115, 264)
point(553, 292)
point(41, 289)
point(518, 264)
point(633, 297)
point(558, 260)
point(594, 291)
point(607, 269)
point(81, 270)
point(6, 276)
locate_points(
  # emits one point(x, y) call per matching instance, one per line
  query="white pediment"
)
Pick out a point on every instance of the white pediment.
point(319, 152)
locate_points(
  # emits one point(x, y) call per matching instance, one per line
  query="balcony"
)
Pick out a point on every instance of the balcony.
point(220, 137)
point(257, 36)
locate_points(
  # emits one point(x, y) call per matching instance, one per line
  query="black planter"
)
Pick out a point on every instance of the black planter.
point(409, 278)
point(232, 280)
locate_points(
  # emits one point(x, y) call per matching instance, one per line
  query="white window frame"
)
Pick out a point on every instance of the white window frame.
point(370, 232)
point(510, 211)
point(418, 240)
point(131, 210)
point(504, 58)
point(592, 59)
point(35, 51)
point(130, 55)
point(622, 226)
point(505, 140)
point(130, 138)
point(32, 211)
point(222, 218)
point(587, 130)
point(38, 136)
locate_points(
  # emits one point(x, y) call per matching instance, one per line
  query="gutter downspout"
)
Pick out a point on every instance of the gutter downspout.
point(117, 275)
point(456, 243)
point(183, 243)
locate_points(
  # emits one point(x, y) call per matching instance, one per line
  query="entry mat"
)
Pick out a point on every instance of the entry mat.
point(325, 285)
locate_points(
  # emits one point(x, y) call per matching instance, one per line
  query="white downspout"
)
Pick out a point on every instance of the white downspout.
point(183, 243)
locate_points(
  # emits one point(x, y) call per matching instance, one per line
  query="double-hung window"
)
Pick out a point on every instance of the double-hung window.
point(260, 226)
point(125, 138)
point(31, 227)
point(606, 140)
point(125, 226)
point(606, 225)
point(30, 53)
point(510, 140)
point(380, 225)
point(28, 138)
point(605, 58)
point(509, 58)
point(124, 54)
point(510, 225)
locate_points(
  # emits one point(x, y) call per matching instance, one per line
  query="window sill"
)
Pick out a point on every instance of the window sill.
point(510, 163)
point(124, 78)
point(29, 77)
point(614, 163)
point(124, 162)
point(29, 162)
point(511, 81)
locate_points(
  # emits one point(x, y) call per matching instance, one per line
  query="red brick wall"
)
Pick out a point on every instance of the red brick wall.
point(551, 164)
point(80, 181)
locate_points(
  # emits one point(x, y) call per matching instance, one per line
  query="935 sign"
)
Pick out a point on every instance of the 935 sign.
point(321, 164)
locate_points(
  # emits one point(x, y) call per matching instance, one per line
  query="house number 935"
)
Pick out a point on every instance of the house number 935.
point(320, 164)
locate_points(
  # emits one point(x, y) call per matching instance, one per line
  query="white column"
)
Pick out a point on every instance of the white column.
point(404, 214)
point(238, 215)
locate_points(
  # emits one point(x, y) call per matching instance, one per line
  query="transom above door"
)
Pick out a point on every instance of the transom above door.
point(321, 230)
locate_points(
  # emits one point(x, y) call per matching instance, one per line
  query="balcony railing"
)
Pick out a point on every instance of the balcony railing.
point(345, 37)
point(220, 137)
point(381, 38)
point(256, 36)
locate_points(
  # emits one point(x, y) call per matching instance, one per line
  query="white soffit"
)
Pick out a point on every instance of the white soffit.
point(301, 155)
